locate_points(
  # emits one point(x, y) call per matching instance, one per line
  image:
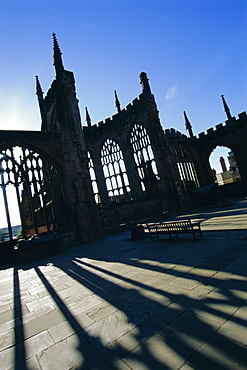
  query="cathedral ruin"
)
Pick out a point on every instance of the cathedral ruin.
point(79, 181)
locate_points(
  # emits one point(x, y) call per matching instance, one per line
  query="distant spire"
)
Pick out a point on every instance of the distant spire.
point(145, 84)
point(39, 91)
point(188, 125)
point(227, 110)
point(57, 56)
point(88, 118)
point(117, 102)
point(39, 94)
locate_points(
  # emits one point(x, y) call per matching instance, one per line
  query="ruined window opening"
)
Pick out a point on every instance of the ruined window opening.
point(144, 159)
point(186, 167)
point(93, 180)
point(224, 166)
point(117, 182)
point(28, 184)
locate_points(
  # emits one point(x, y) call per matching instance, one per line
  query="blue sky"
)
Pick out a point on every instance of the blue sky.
point(192, 50)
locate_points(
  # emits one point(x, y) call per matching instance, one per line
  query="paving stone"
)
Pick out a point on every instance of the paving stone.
point(65, 354)
point(186, 367)
point(174, 291)
point(190, 330)
point(84, 304)
point(105, 357)
point(61, 331)
point(101, 311)
point(8, 323)
point(36, 290)
point(129, 295)
point(184, 283)
point(178, 269)
point(200, 291)
point(219, 312)
point(102, 303)
point(6, 316)
point(7, 339)
point(157, 353)
point(235, 330)
point(140, 333)
point(37, 343)
point(172, 311)
point(202, 273)
point(159, 298)
point(114, 326)
point(82, 320)
point(108, 329)
point(37, 304)
point(220, 353)
point(35, 325)
point(71, 300)
point(30, 364)
point(6, 298)
point(159, 281)
point(24, 298)
point(15, 357)
point(7, 358)
point(67, 292)
point(119, 365)
point(5, 307)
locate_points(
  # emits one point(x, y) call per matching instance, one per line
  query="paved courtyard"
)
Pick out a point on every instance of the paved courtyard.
point(121, 304)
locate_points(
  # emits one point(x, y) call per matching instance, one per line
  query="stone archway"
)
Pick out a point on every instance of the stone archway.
point(224, 165)
point(30, 186)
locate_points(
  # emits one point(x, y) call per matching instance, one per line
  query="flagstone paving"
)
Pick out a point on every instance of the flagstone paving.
point(121, 304)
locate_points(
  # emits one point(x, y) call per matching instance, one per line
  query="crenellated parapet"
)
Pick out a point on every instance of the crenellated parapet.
point(171, 132)
point(132, 113)
point(223, 129)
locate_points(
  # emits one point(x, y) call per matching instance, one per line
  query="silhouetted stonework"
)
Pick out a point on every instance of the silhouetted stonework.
point(138, 170)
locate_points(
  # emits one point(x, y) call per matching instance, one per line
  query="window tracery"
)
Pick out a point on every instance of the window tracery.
point(117, 182)
point(28, 184)
point(186, 167)
point(144, 159)
point(93, 180)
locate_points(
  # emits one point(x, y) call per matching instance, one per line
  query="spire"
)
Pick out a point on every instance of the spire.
point(39, 91)
point(145, 84)
point(117, 102)
point(88, 118)
point(227, 110)
point(57, 56)
point(39, 94)
point(188, 125)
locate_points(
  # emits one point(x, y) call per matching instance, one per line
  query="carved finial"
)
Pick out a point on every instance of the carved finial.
point(117, 102)
point(39, 91)
point(188, 125)
point(227, 110)
point(145, 84)
point(57, 56)
point(88, 118)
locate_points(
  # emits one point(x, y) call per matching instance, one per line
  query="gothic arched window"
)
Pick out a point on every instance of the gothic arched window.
point(31, 191)
point(93, 179)
point(116, 178)
point(186, 167)
point(144, 159)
